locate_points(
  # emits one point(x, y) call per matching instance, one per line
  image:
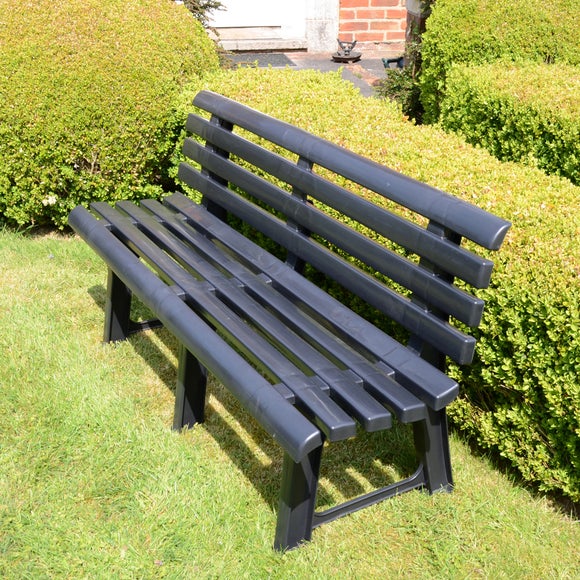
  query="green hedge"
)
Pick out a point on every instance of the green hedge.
point(521, 397)
point(528, 112)
point(87, 100)
point(482, 31)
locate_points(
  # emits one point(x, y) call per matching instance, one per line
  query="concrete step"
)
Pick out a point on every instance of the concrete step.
point(261, 38)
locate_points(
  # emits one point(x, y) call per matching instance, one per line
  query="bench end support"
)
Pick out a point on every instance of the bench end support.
point(432, 445)
point(297, 500)
point(190, 391)
point(117, 309)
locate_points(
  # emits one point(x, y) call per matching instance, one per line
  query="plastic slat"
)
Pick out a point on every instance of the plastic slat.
point(461, 217)
point(450, 257)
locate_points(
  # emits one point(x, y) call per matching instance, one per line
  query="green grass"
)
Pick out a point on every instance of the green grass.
point(94, 484)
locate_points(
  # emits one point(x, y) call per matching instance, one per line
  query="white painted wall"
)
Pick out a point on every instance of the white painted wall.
point(288, 17)
point(313, 21)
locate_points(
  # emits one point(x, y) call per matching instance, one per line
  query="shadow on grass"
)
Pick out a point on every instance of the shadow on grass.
point(349, 468)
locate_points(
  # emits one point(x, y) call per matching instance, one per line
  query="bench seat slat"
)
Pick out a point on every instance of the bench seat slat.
point(377, 380)
point(467, 220)
point(235, 302)
point(451, 258)
point(417, 320)
point(426, 382)
point(450, 299)
point(296, 434)
point(328, 416)
point(331, 419)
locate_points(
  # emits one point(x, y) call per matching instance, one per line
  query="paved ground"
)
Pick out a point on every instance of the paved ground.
point(363, 74)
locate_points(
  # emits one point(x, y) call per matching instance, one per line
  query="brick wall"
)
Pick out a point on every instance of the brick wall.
point(373, 24)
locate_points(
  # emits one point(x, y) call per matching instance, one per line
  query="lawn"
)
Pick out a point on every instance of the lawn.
point(95, 484)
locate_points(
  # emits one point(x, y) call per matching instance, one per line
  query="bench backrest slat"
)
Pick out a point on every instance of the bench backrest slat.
point(403, 266)
point(468, 220)
point(462, 264)
point(459, 304)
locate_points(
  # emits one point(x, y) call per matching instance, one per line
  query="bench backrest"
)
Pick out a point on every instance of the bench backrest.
point(300, 194)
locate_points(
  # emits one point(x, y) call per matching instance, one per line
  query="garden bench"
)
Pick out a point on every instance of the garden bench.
point(304, 365)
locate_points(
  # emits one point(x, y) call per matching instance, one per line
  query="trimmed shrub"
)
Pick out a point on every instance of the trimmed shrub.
point(402, 84)
point(88, 101)
point(528, 113)
point(482, 31)
point(521, 397)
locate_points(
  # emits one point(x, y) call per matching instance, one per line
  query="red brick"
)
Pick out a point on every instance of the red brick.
point(385, 25)
point(396, 35)
point(371, 14)
point(354, 3)
point(370, 37)
point(396, 13)
point(354, 25)
point(347, 14)
point(385, 3)
point(346, 36)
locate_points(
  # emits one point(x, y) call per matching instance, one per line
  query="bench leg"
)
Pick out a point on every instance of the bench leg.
point(117, 309)
point(190, 391)
point(297, 500)
point(432, 445)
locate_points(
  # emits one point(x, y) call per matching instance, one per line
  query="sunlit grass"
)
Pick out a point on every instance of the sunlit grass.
point(94, 484)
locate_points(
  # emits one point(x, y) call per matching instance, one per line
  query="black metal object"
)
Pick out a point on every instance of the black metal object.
point(345, 52)
point(305, 366)
point(397, 61)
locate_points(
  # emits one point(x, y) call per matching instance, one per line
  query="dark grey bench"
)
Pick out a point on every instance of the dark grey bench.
point(304, 365)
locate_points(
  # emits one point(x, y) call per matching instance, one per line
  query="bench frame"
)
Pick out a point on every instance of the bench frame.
point(186, 307)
